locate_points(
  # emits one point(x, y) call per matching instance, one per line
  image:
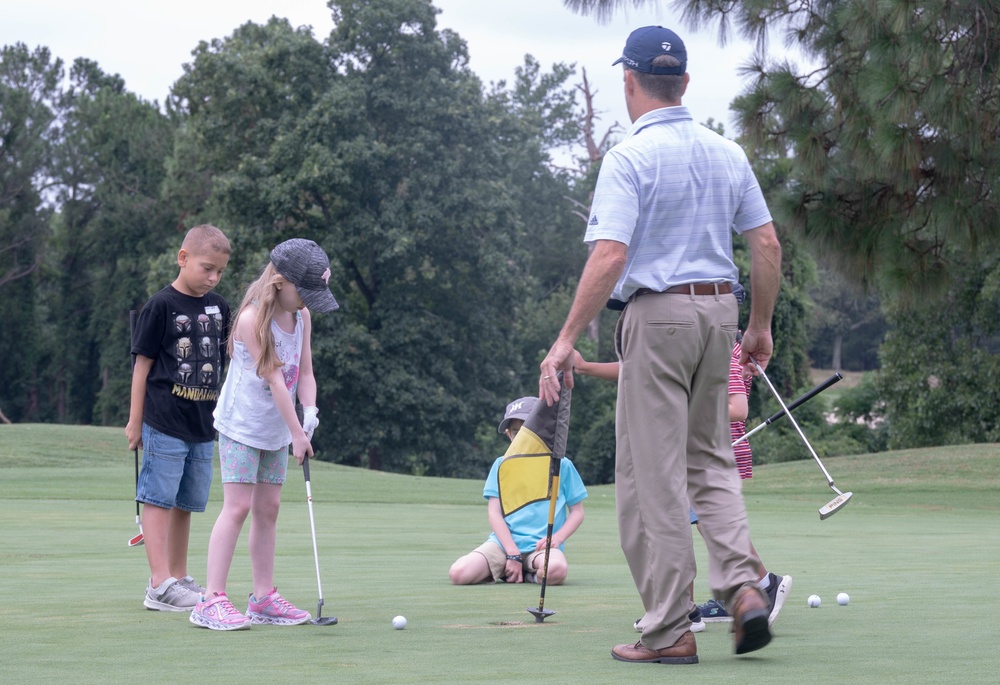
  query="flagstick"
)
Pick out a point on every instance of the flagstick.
point(555, 460)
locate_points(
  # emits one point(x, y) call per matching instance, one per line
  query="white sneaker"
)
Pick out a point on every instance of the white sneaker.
point(192, 585)
point(170, 596)
point(777, 593)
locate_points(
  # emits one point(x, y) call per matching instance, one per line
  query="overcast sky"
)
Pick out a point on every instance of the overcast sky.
point(147, 41)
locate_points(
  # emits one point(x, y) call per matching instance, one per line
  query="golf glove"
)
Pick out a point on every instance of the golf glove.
point(310, 420)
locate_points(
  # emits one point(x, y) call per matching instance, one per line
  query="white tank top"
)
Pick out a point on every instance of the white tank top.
point(246, 411)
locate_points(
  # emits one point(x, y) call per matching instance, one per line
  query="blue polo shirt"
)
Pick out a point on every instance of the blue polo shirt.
point(674, 191)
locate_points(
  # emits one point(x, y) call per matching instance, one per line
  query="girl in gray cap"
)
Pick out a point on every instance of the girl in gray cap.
point(271, 365)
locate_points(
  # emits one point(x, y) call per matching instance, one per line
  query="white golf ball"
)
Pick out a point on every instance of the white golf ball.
point(814, 601)
point(843, 598)
point(399, 622)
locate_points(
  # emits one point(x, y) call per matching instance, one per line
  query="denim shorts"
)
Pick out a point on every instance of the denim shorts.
point(175, 473)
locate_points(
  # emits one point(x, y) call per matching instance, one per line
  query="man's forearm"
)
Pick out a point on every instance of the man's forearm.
point(765, 276)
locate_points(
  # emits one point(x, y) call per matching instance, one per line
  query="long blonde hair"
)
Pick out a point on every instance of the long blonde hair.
point(262, 297)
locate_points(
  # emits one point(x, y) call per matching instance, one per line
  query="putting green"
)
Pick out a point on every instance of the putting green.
point(916, 549)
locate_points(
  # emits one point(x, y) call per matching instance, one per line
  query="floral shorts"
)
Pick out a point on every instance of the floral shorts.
point(244, 464)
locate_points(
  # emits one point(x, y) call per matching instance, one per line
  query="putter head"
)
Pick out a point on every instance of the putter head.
point(834, 505)
point(136, 541)
point(540, 614)
point(322, 620)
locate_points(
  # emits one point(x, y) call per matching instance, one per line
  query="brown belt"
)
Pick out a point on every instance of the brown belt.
point(690, 289)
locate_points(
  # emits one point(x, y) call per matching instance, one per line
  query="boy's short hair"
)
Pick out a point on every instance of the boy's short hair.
point(204, 239)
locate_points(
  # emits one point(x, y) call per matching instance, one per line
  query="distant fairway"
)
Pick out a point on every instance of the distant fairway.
point(917, 549)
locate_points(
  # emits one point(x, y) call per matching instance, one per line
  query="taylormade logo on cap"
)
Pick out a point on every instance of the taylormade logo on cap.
point(646, 44)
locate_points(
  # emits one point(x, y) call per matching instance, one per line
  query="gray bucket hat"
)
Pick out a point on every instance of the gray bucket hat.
point(307, 267)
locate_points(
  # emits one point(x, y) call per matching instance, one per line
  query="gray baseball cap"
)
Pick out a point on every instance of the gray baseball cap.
point(518, 409)
point(307, 267)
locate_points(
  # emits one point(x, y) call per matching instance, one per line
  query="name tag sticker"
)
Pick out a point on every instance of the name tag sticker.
point(214, 309)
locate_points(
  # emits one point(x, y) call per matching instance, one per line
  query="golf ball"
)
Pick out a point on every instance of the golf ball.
point(814, 601)
point(399, 622)
point(843, 599)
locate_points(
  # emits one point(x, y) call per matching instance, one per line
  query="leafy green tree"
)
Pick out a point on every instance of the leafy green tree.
point(381, 145)
point(80, 174)
point(111, 169)
point(939, 381)
point(29, 93)
point(847, 326)
point(891, 130)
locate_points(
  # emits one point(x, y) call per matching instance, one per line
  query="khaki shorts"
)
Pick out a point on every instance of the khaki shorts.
point(496, 557)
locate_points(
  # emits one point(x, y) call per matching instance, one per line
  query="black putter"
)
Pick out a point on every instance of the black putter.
point(804, 398)
point(138, 539)
point(555, 459)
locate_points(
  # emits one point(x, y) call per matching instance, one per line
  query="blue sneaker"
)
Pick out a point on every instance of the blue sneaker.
point(714, 611)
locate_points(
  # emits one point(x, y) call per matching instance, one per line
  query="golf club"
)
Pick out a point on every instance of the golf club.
point(320, 619)
point(138, 539)
point(804, 398)
point(842, 498)
point(555, 461)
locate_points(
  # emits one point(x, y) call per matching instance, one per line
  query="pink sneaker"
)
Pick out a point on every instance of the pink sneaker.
point(276, 610)
point(218, 613)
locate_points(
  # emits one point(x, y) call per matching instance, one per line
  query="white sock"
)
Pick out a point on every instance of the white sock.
point(765, 582)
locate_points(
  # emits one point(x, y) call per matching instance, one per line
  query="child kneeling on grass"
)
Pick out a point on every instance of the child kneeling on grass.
point(515, 550)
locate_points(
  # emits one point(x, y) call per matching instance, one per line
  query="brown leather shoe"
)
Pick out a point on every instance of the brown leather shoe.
point(750, 610)
point(684, 651)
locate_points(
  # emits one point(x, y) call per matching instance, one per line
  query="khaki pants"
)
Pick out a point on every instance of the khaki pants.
point(673, 451)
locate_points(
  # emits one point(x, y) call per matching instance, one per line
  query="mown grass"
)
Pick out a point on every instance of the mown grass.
point(916, 549)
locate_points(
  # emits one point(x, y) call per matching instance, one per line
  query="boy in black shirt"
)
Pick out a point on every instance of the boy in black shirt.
point(178, 346)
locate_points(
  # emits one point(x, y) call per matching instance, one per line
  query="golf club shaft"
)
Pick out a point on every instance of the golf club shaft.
point(133, 316)
point(312, 526)
point(137, 519)
point(555, 462)
point(553, 496)
point(801, 400)
point(795, 423)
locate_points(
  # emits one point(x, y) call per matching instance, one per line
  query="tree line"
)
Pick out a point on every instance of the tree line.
point(454, 236)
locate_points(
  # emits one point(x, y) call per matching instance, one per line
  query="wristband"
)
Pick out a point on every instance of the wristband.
point(515, 557)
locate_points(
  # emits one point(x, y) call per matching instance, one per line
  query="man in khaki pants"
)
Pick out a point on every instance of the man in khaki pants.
point(667, 200)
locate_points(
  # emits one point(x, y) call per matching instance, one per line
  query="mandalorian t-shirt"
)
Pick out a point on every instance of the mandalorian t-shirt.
point(186, 337)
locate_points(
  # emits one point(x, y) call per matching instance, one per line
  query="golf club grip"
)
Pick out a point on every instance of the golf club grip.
point(562, 420)
point(305, 468)
point(805, 398)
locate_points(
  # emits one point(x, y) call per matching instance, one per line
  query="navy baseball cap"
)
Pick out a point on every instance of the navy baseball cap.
point(646, 44)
